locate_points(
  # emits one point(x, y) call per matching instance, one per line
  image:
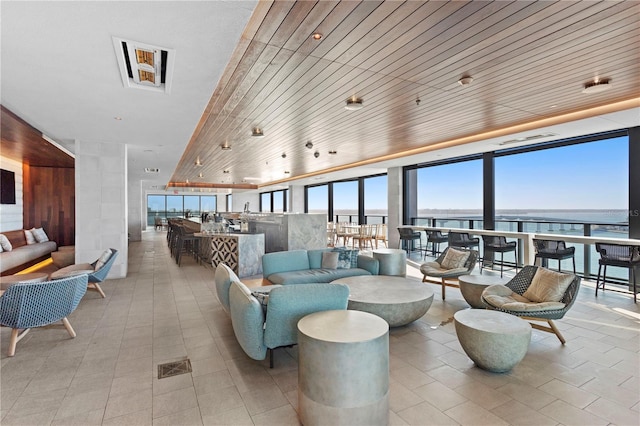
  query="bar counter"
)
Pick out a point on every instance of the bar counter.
point(241, 251)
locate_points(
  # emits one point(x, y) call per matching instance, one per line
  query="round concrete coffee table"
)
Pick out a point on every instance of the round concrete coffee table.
point(495, 341)
point(397, 300)
point(472, 286)
point(391, 261)
point(343, 369)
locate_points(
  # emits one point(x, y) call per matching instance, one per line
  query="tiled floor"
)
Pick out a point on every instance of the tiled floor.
point(162, 312)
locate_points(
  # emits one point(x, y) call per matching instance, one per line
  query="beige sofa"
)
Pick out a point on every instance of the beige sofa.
point(22, 254)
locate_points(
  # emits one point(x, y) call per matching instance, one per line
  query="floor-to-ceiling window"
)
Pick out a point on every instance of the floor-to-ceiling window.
point(345, 201)
point(168, 206)
point(274, 201)
point(450, 194)
point(375, 199)
point(318, 200)
point(575, 189)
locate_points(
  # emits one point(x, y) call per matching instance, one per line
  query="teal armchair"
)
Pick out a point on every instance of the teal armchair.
point(261, 330)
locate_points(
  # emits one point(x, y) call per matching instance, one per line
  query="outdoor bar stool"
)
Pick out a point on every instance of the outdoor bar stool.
point(624, 256)
point(186, 242)
point(462, 240)
point(407, 238)
point(554, 249)
point(435, 238)
point(498, 244)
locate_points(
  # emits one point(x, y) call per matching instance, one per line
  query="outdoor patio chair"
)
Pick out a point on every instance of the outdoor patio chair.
point(435, 238)
point(407, 239)
point(621, 255)
point(462, 240)
point(24, 306)
point(545, 298)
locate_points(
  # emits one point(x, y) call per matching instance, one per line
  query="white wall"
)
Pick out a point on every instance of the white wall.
point(11, 215)
point(101, 203)
point(239, 198)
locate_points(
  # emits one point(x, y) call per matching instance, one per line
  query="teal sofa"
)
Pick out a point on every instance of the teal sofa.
point(305, 267)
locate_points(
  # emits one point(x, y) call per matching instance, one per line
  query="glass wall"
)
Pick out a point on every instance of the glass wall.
point(375, 199)
point(274, 201)
point(579, 189)
point(318, 200)
point(345, 201)
point(265, 202)
point(168, 206)
point(278, 202)
point(451, 194)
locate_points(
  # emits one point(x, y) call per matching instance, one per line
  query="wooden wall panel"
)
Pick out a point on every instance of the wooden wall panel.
point(49, 202)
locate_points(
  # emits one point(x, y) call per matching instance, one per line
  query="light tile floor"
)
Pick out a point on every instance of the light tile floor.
point(162, 312)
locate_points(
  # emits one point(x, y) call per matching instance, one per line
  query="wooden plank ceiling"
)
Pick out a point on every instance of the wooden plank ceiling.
point(528, 60)
point(24, 144)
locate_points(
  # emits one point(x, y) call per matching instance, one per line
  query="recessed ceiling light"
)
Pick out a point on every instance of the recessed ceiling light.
point(286, 172)
point(257, 133)
point(117, 118)
point(200, 175)
point(597, 85)
point(353, 104)
point(225, 146)
point(316, 36)
point(225, 171)
point(465, 80)
point(198, 163)
point(333, 152)
point(187, 181)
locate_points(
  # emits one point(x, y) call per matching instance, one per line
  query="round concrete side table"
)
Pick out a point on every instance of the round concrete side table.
point(392, 262)
point(343, 369)
point(495, 341)
point(472, 286)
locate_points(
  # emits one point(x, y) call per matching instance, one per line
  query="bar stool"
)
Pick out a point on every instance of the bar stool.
point(435, 238)
point(624, 256)
point(462, 240)
point(553, 249)
point(407, 238)
point(498, 244)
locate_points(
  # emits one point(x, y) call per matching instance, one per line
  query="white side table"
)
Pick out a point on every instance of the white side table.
point(343, 369)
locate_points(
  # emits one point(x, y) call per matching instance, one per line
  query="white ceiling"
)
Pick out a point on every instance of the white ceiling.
point(59, 73)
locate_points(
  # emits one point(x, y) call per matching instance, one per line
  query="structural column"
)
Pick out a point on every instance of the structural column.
point(101, 203)
point(634, 182)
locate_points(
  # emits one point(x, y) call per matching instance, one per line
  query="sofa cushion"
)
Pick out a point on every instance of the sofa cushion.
point(28, 235)
point(548, 286)
point(24, 254)
point(5, 243)
point(39, 235)
point(330, 260)
point(347, 258)
point(279, 261)
point(502, 297)
point(311, 276)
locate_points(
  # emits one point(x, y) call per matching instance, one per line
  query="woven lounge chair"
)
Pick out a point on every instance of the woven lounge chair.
point(447, 277)
point(24, 306)
point(509, 298)
point(97, 271)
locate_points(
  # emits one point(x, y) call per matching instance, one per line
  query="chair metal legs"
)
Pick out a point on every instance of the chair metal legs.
point(604, 279)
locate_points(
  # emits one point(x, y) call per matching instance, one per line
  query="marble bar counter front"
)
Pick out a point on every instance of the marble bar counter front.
point(242, 252)
point(290, 231)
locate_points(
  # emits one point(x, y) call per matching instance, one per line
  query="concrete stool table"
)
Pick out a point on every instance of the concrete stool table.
point(343, 369)
point(392, 261)
point(34, 277)
point(397, 300)
point(495, 341)
point(472, 286)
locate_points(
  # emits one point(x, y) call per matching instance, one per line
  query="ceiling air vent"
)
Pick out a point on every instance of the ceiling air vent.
point(144, 66)
point(527, 138)
point(151, 170)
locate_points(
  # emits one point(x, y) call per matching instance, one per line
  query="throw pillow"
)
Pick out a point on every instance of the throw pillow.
point(346, 258)
point(330, 260)
point(5, 243)
point(39, 235)
point(454, 259)
point(104, 257)
point(548, 286)
point(28, 235)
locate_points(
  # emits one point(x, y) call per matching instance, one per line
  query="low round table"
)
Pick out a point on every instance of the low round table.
point(391, 261)
point(397, 300)
point(34, 277)
point(472, 286)
point(343, 369)
point(495, 341)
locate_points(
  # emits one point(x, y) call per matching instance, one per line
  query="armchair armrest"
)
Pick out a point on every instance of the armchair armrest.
point(369, 264)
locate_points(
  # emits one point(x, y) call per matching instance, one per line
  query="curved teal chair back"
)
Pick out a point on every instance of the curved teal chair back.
point(101, 274)
point(288, 304)
point(223, 278)
point(29, 305)
point(247, 318)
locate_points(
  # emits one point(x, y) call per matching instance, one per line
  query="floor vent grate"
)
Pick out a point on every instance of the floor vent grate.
point(176, 368)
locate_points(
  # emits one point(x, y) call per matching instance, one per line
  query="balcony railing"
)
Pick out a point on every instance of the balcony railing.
point(586, 256)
